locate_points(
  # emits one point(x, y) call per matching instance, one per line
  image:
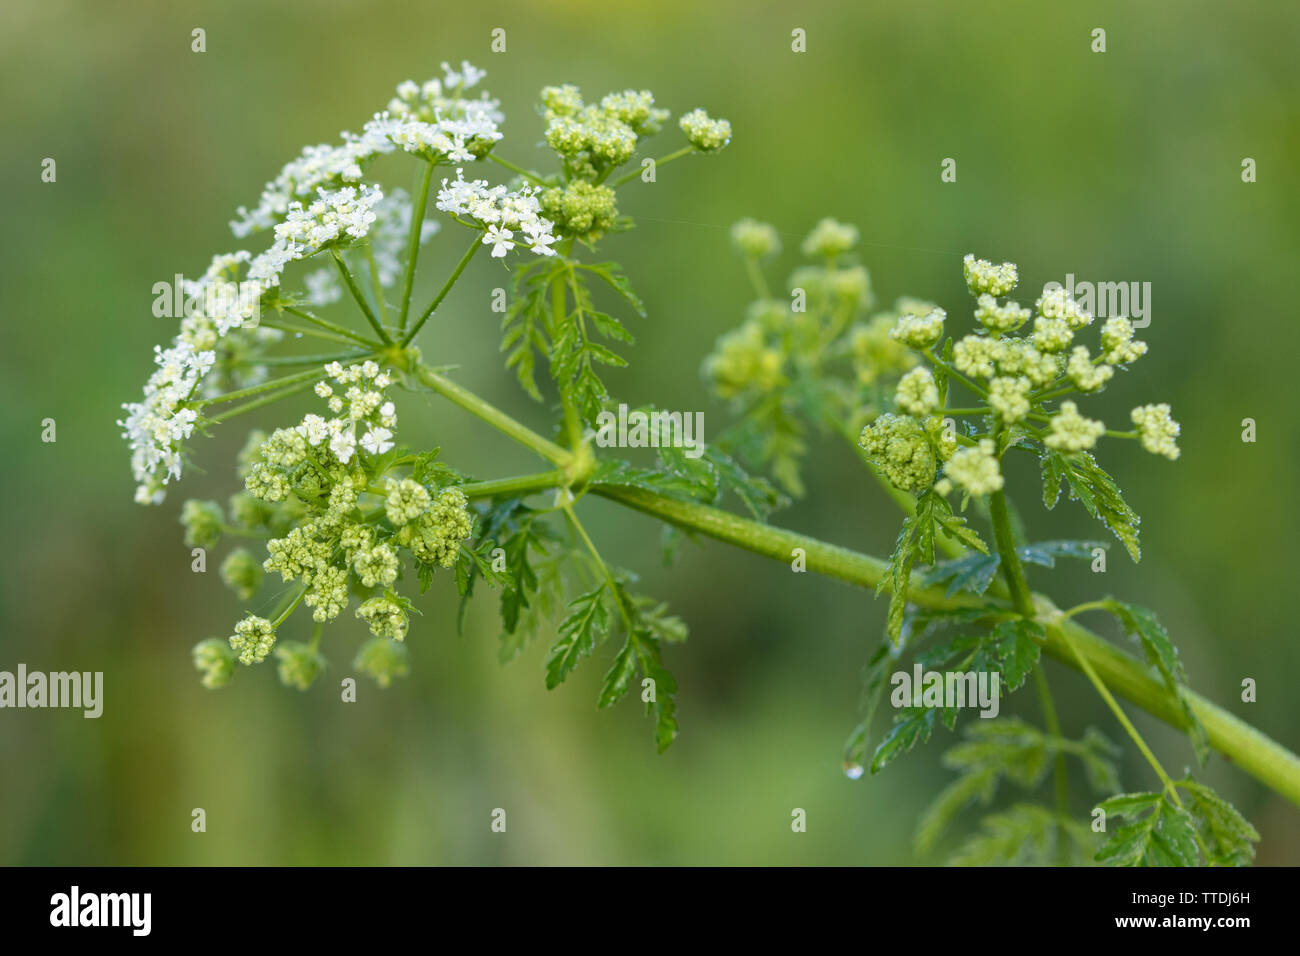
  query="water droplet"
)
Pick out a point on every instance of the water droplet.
point(852, 769)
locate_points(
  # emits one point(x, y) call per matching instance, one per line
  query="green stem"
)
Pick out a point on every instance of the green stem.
point(1122, 717)
point(310, 375)
point(531, 177)
point(268, 399)
point(756, 277)
point(1006, 545)
point(368, 312)
point(1060, 773)
point(600, 563)
point(312, 359)
point(1254, 752)
point(350, 340)
point(494, 417)
point(520, 485)
point(978, 390)
point(289, 610)
point(329, 326)
point(375, 286)
point(474, 245)
point(559, 313)
point(663, 161)
point(413, 242)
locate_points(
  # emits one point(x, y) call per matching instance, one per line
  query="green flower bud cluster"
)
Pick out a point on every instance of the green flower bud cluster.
point(999, 319)
point(986, 278)
point(382, 659)
point(755, 239)
point(253, 639)
point(742, 363)
point(906, 450)
point(1071, 431)
point(829, 239)
point(919, 330)
point(1117, 342)
point(580, 209)
point(594, 139)
point(917, 393)
point(876, 352)
point(974, 470)
point(1009, 398)
point(300, 664)
point(216, 660)
point(435, 536)
point(338, 523)
point(242, 573)
point(705, 133)
point(385, 617)
point(1014, 376)
point(203, 521)
point(1157, 430)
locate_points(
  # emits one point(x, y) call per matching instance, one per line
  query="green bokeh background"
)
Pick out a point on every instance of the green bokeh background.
point(1115, 166)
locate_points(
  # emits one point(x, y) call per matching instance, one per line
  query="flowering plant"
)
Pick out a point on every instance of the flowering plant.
point(349, 514)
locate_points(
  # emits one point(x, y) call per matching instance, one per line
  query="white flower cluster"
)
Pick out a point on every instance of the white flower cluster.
point(156, 426)
point(361, 404)
point(316, 199)
point(332, 216)
point(512, 218)
point(388, 237)
point(433, 119)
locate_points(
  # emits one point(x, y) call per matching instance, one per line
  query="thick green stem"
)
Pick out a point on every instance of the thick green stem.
point(1255, 753)
point(1263, 758)
point(559, 315)
point(474, 245)
point(1006, 544)
point(520, 485)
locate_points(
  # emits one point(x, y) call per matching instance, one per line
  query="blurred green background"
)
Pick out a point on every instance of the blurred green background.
point(1115, 166)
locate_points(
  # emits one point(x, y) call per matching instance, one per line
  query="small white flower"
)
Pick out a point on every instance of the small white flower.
point(377, 440)
point(499, 240)
point(314, 429)
point(343, 444)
